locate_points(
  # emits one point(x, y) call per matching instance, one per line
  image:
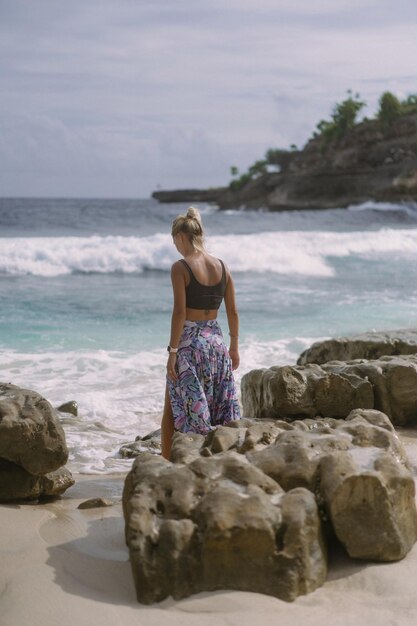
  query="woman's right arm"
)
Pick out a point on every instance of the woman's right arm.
point(178, 315)
point(233, 321)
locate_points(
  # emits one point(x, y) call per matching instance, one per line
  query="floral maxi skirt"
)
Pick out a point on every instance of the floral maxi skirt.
point(204, 394)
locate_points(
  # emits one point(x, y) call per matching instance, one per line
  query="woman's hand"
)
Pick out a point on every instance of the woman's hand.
point(172, 359)
point(234, 355)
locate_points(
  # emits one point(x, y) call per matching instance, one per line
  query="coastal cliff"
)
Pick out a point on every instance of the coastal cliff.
point(369, 162)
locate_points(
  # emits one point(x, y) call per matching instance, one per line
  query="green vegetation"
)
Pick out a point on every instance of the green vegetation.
point(274, 158)
point(343, 119)
point(390, 108)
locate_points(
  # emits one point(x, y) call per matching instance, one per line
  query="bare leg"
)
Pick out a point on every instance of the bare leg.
point(167, 426)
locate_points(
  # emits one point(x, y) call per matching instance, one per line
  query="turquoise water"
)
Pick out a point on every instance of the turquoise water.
point(86, 298)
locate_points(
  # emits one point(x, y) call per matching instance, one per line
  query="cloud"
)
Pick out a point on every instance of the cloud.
point(111, 97)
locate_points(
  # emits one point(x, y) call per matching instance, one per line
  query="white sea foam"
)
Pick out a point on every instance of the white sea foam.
point(410, 208)
point(119, 394)
point(294, 252)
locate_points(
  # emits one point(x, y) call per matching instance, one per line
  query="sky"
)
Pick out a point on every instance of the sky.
point(117, 98)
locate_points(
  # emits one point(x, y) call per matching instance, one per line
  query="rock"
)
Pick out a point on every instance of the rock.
point(155, 434)
point(131, 450)
point(189, 195)
point(185, 447)
point(219, 523)
point(69, 407)
point(223, 438)
point(359, 472)
point(18, 484)
point(394, 382)
point(55, 483)
point(30, 433)
point(388, 384)
point(370, 345)
point(94, 503)
point(148, 443)
point(370, 504)
point(303, 391)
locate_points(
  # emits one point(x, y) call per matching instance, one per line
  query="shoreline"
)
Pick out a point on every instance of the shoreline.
point(60, 564)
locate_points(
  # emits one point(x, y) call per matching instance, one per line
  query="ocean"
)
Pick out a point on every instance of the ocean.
point(86, 299)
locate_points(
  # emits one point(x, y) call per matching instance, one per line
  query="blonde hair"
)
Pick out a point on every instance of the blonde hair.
point(191, 225)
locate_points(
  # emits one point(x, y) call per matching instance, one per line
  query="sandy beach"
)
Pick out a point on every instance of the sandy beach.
point(62, 565)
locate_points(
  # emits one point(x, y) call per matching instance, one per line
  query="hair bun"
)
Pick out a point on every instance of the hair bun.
point(193, 214)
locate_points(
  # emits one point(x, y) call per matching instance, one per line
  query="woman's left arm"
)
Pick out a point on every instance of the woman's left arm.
point(178, 315)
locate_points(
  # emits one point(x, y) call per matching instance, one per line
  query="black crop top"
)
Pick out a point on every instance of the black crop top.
point(200, 296)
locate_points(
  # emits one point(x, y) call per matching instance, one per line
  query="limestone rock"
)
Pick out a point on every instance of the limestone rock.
point(69, 407)
point(303, 391)
point(131, 450)
point(371, 345)
point(370, 502)
point(219, 523)
point(30, 433)
point(185, 447)
point(359, 472)
point(94, 503)
point(55, 483)
point(147, 443)
point(155, 434)
point(17, 484)
point(394, 382)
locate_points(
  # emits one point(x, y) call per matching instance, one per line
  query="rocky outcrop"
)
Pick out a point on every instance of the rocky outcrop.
point(190, 195)
point(367, 163)
point(394, 383)
point(147, 443)
point(237, 509)
point(17, 484)
point(304, 391)
point(357, 468)
point(359, 471)
point(371, 345)
point(388, 384)
point(30, 434)
point(219, 523)
point(32, 446)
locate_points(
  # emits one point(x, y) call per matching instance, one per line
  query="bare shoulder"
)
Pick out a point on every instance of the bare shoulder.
point(227, 271)
point(178, 269)
point(177, 266)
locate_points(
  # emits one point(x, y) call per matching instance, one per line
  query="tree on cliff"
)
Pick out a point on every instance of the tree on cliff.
point(343, 119)
point(389, 108)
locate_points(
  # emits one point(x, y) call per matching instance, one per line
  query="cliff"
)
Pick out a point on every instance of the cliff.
point(367, 163)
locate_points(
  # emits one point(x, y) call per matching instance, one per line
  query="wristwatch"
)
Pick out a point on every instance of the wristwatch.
point(169, 349)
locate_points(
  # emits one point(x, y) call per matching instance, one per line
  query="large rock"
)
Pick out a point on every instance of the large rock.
point(394, 382)
point(357, 468)
point(219, 523)
point(371, 345)
point(388, 384)
point(303, 391)
point(17, 484)
point(30, 433)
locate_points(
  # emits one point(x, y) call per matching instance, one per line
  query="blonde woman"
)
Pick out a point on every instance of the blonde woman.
point(200, 391)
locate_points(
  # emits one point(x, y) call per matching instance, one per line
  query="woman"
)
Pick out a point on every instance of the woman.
point(200, 392)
